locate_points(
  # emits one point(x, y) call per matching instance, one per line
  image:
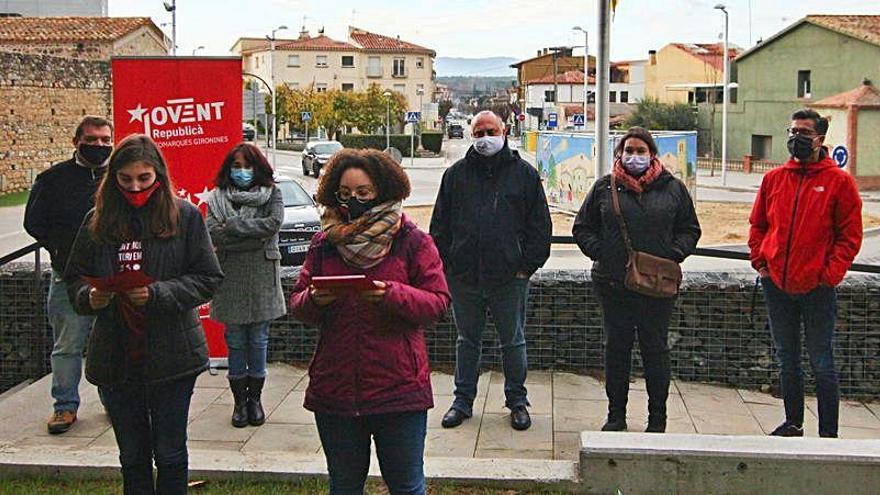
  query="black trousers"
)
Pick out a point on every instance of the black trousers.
point(625, 313)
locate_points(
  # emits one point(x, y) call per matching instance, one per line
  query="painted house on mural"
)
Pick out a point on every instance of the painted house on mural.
point(820, 61)
point(321, 63)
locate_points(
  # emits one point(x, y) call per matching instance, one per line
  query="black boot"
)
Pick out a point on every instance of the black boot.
point(255, 414)
point(239, 388)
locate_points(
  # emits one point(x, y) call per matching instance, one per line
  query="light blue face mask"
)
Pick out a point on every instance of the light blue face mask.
point(242, 177)
point(636, 164)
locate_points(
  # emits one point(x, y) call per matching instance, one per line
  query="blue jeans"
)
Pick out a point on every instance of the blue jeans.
point(400, 447)
point(817, 311)
point(69, 333)
point(508, 305)
point(247, 344)
point(149, 422)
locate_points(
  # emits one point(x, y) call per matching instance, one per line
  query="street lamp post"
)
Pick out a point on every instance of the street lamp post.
point(420, 92)
point(172, 7)
point(272, 82)
point(586, 69)
point(200, 47)
point(726, 97)
point(387, 95)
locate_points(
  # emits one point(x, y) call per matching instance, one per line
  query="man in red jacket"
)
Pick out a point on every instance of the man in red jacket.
point(806, 229)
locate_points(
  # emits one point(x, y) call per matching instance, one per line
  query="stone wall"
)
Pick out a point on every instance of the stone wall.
point(718, 332)
point(82, 50)
point(42, 99)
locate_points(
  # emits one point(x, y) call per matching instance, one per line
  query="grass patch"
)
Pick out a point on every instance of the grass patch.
point(308, 486)
point(14, 199)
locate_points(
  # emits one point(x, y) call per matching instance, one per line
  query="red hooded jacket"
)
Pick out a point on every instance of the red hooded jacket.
point(806, 225)
point(372, 358)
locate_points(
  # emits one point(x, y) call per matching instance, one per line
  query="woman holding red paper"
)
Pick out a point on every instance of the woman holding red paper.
point(369, 378)
point(142, 263)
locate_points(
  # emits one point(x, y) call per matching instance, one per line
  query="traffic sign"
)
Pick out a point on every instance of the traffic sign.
point(552, 120)
point(577, 119)
point(306, 116)
point(840, 155)
point(521, 117)
point(413, 117)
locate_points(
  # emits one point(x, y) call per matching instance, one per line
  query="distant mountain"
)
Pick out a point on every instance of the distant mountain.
point(486, 67)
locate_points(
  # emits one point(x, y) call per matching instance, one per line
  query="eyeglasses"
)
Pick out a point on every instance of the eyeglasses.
point(362, 196)
point(801, 131)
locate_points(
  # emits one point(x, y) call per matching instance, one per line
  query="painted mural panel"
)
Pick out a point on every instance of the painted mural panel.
point(566, 163)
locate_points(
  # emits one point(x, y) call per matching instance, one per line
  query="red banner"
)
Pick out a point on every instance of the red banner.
point(191, 107)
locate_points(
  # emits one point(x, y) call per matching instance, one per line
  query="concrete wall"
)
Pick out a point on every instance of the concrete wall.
point(675, 66)
point(868, 143)
point(42, 99)
point(767, 93)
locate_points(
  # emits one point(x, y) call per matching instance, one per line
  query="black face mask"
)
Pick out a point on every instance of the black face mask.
point(356, 209)
point(800, 147)
point(94, 154)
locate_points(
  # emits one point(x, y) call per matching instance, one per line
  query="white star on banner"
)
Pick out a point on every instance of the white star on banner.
point(202, 196)
point(137, 113)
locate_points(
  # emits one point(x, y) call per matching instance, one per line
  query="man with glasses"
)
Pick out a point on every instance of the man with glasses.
point(59, 200)
point(492, 227)
point(806, 229)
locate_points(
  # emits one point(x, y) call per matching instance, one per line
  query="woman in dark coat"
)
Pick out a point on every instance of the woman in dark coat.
point(150, 264)
point(661, 221)
point(245, 212)
point(369, 377)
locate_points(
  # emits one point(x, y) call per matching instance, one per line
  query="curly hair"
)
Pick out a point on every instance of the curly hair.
point(391, 181)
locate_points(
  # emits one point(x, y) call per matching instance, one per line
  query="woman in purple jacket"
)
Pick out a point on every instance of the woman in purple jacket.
point(369, 377)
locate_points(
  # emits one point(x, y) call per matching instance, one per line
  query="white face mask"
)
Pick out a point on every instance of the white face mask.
point(489, 145)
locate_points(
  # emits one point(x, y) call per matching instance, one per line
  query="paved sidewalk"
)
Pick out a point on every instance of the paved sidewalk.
point(563, 405)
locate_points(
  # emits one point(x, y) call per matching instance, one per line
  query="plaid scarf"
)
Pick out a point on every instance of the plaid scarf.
point(637, 184)
point(366, 241)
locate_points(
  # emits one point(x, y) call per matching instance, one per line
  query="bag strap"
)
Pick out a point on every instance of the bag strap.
point(616, 201)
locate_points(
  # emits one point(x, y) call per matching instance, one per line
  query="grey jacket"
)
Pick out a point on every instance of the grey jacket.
point(186, 273)
point(249, 255)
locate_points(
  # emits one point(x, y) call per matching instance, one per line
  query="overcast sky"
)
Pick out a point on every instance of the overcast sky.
point(485, 28)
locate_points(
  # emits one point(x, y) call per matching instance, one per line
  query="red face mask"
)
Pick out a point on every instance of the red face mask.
point(139, 198)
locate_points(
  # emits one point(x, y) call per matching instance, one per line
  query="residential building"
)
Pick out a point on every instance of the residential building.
point(46, 8)
point(320, 63)
point(627, 81)
point(804, 65)
point(686, 72)
point(85, 38)
point(543, 64)
point(541, 100)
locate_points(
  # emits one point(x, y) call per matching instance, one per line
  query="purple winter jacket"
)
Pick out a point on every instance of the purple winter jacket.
point(372, 358)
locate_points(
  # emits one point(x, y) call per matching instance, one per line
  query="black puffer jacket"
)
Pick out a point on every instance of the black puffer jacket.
point(186, 272)
point(59, 199)
point(660, 221)
point(491, 218)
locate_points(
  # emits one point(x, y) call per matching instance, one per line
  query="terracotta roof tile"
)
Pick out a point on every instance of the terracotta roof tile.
point(320, 42)
point(863, 27)
point(569, 77)
point(67, 29)
point(376, 42)
point(866, 95)
point(709, 53)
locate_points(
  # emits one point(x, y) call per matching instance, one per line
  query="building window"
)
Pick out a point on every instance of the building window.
point(256, 62)
point(374, 67)
point(732, 93)
point(293, 60)
point(762, 147)
point(348, 60)
point(550, 96)
point(348, 86)
point(400, 88)
point(591, 97)
point(293, 85)
point(420, 62)
point(321, 87)
point(804, 89)
point(624, 96)
point(321, 61)
point(612, 96)
point(399, 68)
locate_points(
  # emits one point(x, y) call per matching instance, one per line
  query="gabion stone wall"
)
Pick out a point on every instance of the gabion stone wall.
point(718, 331)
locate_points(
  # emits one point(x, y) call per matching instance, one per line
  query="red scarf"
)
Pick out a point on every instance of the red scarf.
point(637, 184)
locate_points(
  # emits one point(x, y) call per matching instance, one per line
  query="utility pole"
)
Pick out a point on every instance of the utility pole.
point(603, 67)
point(726, 96)
point(172, 7)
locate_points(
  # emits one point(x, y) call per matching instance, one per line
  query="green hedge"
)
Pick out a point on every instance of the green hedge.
point(432, 141)
point(376, 141)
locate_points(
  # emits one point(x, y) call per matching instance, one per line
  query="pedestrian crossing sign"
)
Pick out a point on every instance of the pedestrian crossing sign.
point(413, 117)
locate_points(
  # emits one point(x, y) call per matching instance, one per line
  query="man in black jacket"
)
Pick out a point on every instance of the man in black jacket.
point(59, 200)
point(492, 227)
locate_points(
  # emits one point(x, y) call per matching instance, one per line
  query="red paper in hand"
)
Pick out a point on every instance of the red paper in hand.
point(120, 282)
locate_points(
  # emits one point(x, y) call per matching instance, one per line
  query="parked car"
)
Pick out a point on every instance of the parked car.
point(248, 132)
point(301, 222)
point(316, 154)
point(455, 131)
